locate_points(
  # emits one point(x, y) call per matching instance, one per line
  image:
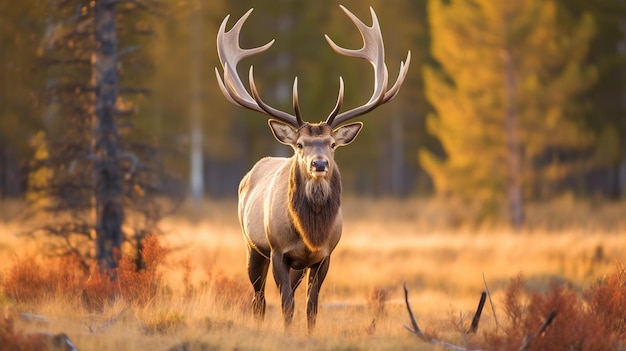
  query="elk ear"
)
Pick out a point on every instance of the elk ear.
point(346, 134)
point(283, 132)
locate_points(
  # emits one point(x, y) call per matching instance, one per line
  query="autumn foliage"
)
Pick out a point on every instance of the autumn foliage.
point(31, 280)
point(593, 320)
point(585, 319)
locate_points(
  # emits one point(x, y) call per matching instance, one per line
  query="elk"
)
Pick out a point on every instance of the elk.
point(290, 208)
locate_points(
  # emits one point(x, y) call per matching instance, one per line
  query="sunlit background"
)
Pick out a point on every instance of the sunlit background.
point(500, 98)
point(509, 134)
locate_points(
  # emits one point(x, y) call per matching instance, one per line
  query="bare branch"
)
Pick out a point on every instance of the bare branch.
point(30, 317)
point(134, 162)
point(126, 51)
point(415, 329)
point(493, 308)
point(108, 324)
point(546, 323)
point(479, 311)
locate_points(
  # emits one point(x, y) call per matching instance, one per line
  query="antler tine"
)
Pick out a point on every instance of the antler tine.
point(295, 121)
point(335, 110)
point(230, 53)
point(296, 102)
point(404, 69)
point(373, 50)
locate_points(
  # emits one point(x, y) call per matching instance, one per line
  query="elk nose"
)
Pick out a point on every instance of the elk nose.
point(319, 165)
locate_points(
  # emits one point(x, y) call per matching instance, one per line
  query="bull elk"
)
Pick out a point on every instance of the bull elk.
point(289, 208)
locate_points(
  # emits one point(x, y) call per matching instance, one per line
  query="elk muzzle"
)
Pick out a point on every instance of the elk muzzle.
point(319, 168)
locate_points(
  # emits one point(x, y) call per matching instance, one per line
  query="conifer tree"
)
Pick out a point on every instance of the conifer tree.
point(96, 175)
point(504, 94)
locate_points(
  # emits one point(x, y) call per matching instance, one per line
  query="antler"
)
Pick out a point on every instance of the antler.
point(230, 53)
point(373, 50)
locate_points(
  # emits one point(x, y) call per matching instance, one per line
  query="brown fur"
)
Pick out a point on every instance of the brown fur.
point(313, 205)
point(316, 129)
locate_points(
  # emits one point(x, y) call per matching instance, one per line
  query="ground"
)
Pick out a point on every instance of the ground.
point(203, 302)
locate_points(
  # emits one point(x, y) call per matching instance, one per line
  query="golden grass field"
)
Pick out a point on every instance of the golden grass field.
point(386, 243)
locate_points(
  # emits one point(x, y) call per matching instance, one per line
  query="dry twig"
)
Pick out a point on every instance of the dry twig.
point(479, 311)
point(546, 323)
point(108, 324)
point(415, 329)
point(30, 317)
point(493, 308)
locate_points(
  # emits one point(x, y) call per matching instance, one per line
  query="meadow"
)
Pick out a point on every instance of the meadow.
point(195, 295)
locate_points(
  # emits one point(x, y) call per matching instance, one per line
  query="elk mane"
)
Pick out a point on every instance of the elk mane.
point(313, 205)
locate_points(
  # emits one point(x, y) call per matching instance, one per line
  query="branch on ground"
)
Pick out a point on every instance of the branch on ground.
point(415, 329)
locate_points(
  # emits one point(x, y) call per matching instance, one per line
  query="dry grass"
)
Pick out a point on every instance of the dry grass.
point(197, 297)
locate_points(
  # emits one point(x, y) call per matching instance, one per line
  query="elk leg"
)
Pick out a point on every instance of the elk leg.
point(257, 272)
point(295, 276)
point(280, 269)
point(317, 274)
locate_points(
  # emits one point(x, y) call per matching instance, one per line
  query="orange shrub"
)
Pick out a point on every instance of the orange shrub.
point(30, 280)
point(607, 302)
point(140, 284)
point(594, 321)
point(227, 292)
point(99, 289)
point(24, 281)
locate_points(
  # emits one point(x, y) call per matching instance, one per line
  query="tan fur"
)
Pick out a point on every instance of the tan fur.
point(290, 208)
point(290, 214)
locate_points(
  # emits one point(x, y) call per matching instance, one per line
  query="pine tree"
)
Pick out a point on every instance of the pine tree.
point(97, 176)
point(504, 92)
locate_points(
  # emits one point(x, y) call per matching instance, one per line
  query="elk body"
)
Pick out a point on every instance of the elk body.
point(290, 208)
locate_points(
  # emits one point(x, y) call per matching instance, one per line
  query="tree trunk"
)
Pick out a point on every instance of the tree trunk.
point(397, 154)
point(513, 148)
point(196, 172)
point(108, 189)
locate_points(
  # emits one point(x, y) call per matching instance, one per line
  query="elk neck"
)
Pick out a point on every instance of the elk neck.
point(313, 204)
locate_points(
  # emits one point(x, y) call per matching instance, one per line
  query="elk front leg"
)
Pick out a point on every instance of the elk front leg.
point(295, 277)
point(257, 272)
point(280, 269)
point(317, 274)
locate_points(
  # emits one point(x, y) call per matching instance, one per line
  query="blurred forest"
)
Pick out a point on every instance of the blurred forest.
point(505, 102)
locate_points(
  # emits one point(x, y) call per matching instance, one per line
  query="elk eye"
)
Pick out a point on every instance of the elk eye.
point(332, 146)
point(299, 146)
